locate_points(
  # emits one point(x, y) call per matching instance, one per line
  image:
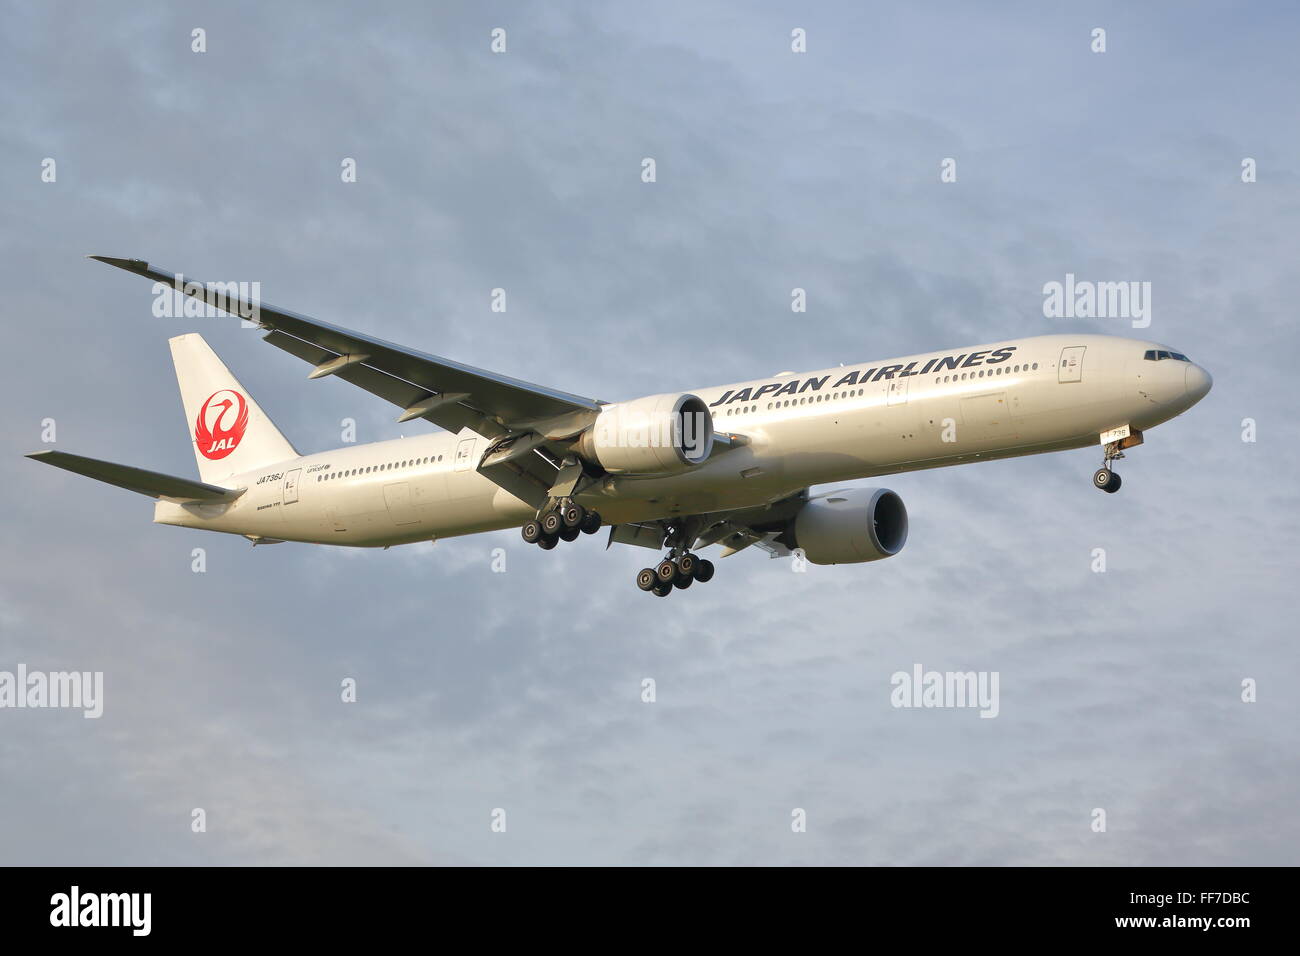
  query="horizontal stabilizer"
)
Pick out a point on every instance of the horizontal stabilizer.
point(151, 483)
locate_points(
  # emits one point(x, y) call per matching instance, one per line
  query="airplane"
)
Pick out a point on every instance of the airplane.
point(731, 465)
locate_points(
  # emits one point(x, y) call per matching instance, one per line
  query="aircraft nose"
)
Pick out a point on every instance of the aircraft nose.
point(1197, 382)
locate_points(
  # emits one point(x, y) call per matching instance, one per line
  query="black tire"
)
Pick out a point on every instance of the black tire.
point(662, 590)
point(665, 571)
point(552, 522)
point(1114, 484)
point(590, 522)
point(569, 534)
point(646, 580)
point(686, 565)
point(532, 531)
point(682, 582)
point(1102, 477)
point(547, 541)
point(704, 570)
point(572, 515)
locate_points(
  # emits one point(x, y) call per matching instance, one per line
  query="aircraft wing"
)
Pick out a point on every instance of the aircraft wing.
point(492, 404)
point(448, 393)
point(735, 531)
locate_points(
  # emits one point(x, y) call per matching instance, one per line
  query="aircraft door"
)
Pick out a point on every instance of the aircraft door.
point(1071, 367)
point(465, 454)
point(398, 498)
point(897, 391)
point(291, 485)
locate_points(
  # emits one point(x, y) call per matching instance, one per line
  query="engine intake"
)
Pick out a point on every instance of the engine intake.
point(851, 526)
point(658, 435)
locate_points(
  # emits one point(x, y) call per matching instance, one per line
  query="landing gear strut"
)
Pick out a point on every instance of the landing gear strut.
point(563, 523)
point(1104, 478)
point(680, 569)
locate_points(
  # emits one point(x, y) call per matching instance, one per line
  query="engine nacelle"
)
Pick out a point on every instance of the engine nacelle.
point(658, 435)
point(850, 526)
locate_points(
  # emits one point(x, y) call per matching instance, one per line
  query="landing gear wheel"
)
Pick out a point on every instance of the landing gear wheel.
point(1115, 483)
point(547, 541)
point(532, 531)
point(646, 579)
point(662, 590)
point(686, 565)
point(665, 571)
point(704, 570)
point(572, 515)
point(683, 581)
point(552, 522)
point(590, 523)
point(1104, 479)
point(569, 534)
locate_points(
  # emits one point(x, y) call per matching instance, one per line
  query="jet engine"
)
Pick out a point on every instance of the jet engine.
point(850, 526)
point(658, 435)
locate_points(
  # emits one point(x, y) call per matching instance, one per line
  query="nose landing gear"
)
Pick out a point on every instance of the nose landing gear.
point(1107, 480)
point(1104, 478)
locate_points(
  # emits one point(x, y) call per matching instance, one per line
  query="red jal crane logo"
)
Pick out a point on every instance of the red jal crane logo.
point(221, 423)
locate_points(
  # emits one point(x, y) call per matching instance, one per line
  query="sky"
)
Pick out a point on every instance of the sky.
point(480, 690)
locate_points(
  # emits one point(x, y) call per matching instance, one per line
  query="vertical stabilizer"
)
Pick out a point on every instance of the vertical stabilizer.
point(229, 431)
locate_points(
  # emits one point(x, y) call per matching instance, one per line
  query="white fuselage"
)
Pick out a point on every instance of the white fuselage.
point(1021, 397)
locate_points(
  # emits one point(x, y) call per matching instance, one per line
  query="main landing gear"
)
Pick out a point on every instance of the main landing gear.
point(1103, 478)
point(563, 523)
point(680, 568)
point(675, 571)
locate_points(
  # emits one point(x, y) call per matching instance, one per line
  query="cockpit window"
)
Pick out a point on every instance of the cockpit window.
point(1157, 355)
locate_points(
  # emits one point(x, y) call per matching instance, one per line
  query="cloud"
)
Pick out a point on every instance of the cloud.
point(522, 690)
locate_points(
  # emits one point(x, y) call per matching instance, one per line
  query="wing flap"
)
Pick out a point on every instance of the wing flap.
point(401, 393)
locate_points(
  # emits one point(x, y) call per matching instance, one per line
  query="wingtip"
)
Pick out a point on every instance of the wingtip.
point(131, 265)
